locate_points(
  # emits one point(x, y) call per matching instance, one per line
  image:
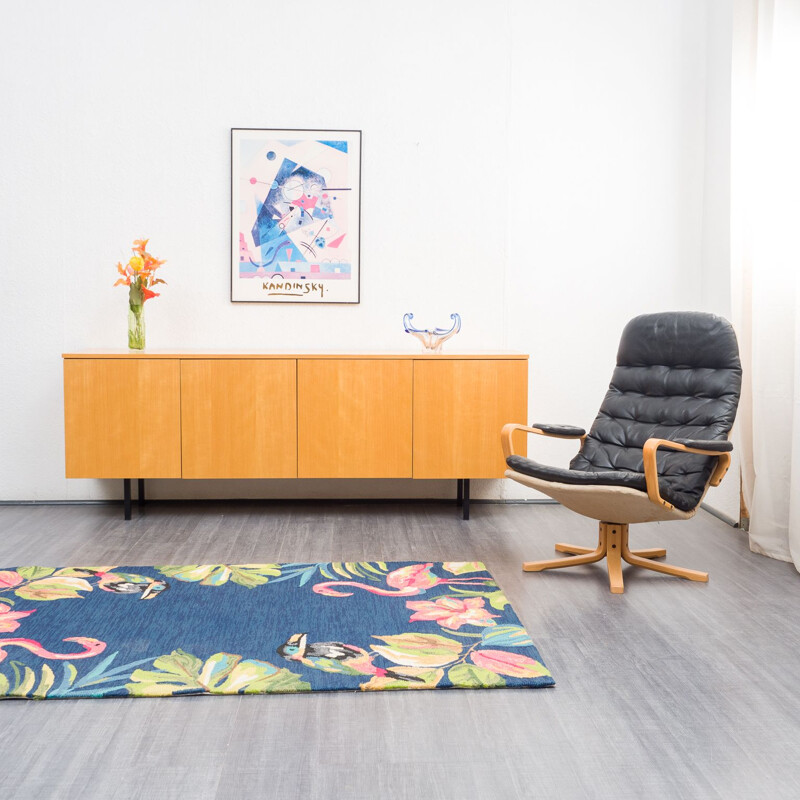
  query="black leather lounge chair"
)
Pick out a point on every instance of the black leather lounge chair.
point(659, 440)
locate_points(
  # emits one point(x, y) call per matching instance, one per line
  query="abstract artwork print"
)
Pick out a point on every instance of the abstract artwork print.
point(295, 215)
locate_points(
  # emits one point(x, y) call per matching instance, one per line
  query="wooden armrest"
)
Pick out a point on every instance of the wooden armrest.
point(508, 430)
point(650, 450)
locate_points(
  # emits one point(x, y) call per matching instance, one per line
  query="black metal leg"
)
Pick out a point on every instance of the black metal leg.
point(459, 491)
point(126, 491)
point(466, 498)
point(141, 492)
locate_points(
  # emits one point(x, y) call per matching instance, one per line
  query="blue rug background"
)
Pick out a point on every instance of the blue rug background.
point(204, 620)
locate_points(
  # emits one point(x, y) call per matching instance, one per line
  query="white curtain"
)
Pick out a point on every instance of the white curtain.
point(765, 257)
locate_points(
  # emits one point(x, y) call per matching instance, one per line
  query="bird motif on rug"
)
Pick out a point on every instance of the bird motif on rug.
point(125, 582)
point(336, 657)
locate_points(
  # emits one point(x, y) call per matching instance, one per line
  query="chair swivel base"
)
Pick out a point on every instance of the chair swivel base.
point(613, 546)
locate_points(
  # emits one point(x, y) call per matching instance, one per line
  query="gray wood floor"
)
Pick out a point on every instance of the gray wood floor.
point(674, 689)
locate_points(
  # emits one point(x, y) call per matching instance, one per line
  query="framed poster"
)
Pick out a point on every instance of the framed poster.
point(295, 216)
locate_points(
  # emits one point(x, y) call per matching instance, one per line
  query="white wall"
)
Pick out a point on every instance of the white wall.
point(619, 142)
point(538, 167)
point(606, 133)
point(716, 271)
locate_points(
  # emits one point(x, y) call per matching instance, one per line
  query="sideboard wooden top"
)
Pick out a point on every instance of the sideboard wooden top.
point(183, 354)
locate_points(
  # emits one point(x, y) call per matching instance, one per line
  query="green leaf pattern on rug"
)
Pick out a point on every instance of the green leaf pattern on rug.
point(419, 649)
point(46, 583)
point(223, 673)
point(422, 678)
point(496, 599)
point(94, 683)
point(507, 636)
point(54, 588)
point(469, 676)
point(21, 682)
point(45, 683)
point(249, 575)
point(332, 665)
point(34, 573)
point(463, 567)
point(252, 575)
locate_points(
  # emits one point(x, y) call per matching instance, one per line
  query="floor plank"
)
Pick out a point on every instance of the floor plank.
point(674, 689)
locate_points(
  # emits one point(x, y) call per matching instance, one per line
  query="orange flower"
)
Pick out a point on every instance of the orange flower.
point(140, 270)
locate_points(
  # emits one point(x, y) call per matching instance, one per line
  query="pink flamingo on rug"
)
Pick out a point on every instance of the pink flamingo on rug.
point(408, 581)
point(92, 647)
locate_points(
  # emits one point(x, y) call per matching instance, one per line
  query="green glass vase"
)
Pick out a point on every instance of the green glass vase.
point(136, 320)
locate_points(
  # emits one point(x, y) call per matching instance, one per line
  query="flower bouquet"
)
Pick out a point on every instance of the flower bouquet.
point(139, 275)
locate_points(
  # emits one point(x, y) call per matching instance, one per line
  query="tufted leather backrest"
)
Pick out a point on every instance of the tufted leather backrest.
point(678, 376)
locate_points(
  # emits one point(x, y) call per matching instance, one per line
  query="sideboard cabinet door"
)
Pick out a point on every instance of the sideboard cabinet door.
point(460, 406)
point(239, 418)
point(122, 418)
point(354, 418)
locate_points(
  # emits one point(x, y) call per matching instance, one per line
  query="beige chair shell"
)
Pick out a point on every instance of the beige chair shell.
point(618, 503)
point(615, 507)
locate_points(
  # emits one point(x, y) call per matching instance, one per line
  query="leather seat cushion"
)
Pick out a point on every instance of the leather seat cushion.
point(633, 480)
point(668, 487)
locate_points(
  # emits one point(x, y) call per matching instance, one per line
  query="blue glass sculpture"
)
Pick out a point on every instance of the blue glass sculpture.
point(432, 339)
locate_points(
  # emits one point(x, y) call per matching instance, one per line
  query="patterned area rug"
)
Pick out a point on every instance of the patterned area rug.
point(111, 631)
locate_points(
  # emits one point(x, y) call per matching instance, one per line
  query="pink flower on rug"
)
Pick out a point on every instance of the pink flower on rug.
point(8, 618)
point(452, 612)
point(514, 665)
point(414, 576)
point(9, 578)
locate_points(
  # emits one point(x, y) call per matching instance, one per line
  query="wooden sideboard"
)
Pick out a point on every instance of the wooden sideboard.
point(155, 414)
